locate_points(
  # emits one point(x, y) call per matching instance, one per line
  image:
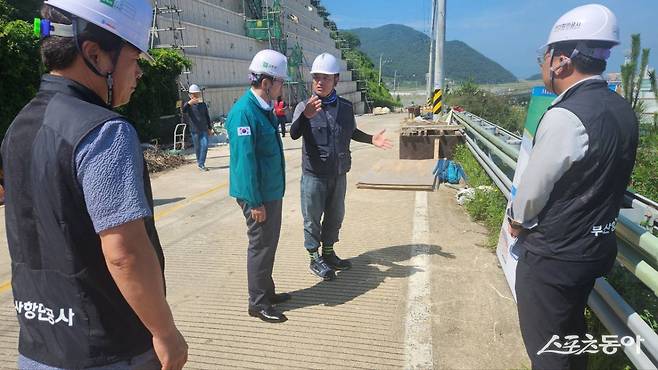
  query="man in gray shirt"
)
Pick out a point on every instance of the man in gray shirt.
point(565, 208)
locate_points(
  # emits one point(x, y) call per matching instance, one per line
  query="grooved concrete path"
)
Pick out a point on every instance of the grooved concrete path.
point(422, 292)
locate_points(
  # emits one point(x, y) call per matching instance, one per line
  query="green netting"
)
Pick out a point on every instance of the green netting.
point(267, 28)
point(258, 29)
point(296, 56)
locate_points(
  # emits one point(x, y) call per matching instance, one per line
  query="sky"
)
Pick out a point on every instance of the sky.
point(506, 31)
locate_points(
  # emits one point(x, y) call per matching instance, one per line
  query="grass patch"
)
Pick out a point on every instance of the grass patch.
point(638, 296)
point(486, 207)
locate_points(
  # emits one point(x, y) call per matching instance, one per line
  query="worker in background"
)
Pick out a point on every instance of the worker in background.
point(257, 177)
point(198, 119)
point(565, 210)
point(87, 265)
point(280, 111)
point(327, 125)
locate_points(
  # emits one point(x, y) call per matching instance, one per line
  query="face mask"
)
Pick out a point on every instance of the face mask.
point(329, 99)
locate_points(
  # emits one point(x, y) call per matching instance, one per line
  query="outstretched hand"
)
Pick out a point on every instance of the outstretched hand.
point(381, 142)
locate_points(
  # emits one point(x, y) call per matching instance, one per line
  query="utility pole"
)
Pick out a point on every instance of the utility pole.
point(395, 79)
point(430, 69)
point(380, 69)
point(439, 76)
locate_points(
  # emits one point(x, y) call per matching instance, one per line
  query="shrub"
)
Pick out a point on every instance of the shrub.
point(645, 173)
point(497, 109)
point(20, 69)
point(156, 93)
point(486, 207)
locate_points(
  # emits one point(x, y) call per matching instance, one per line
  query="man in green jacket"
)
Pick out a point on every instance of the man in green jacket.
point(257, 177)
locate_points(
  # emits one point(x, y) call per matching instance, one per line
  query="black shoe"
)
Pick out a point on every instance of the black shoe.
point(336, 263)
point(267, 314)
point(321, 269)
point(280, 298)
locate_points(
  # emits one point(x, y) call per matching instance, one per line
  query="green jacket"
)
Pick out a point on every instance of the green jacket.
point(257, 167)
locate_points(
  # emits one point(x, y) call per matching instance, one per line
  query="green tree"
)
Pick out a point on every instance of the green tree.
point(157, 91)
point(497, 109)
point(352, 40)
point(6, 12)
point(25, 9)
point(20, 69)
point(632, 77)
point(365, 70)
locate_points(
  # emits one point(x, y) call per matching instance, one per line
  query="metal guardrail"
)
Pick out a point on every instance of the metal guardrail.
point(497, 151)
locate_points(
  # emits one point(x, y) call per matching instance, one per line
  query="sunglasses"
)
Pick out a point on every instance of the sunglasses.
point(541, 58)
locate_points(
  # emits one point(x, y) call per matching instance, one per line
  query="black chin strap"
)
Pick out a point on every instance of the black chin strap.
point(109, 81)
point(550, 68)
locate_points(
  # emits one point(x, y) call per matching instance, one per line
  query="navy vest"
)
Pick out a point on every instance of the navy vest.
point(326, 146)
point(70, 311)
point(578, 222)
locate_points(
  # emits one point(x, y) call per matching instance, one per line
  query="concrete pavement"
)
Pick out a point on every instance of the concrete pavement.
point(405, 247)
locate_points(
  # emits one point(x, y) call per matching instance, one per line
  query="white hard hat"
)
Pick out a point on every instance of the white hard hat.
point(326, 63)
point(271, 63)
point(128, 19)
point(592, 22)
point(194, 88)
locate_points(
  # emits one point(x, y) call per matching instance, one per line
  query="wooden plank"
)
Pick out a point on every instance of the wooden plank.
point(398, 174)
point(432, 127)
point(394, 187)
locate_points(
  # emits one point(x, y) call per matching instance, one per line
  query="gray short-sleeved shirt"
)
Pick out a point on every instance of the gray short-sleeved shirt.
point(110, 169)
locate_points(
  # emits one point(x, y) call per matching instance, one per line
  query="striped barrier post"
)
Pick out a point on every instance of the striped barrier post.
point(437, 103)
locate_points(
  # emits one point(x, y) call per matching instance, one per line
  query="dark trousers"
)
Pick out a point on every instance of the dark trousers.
point(551, 298)
point(263, 240)
point(323, 209)
point(282, 122)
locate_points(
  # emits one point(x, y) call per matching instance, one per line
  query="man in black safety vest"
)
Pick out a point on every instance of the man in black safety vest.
point(565, 208)
point(326, 123)
point(87, 265)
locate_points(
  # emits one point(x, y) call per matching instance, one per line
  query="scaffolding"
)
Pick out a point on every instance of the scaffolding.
point(167, 19)
point(173, 24)
point(266, 24)
point(297, 88)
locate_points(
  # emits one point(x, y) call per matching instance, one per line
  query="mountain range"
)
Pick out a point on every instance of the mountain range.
point(406, 50)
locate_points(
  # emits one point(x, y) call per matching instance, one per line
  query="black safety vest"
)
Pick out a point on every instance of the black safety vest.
point(70, 311)
point(326, 146)
point(578, 222)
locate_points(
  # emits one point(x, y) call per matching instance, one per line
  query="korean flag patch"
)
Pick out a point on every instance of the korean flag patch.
point(244, 131)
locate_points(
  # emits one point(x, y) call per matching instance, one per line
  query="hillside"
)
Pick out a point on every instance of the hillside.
point(407, 51)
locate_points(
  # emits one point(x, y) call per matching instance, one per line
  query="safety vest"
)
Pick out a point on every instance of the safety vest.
point(578, 222)
point(70, 311)
point(326, 146)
